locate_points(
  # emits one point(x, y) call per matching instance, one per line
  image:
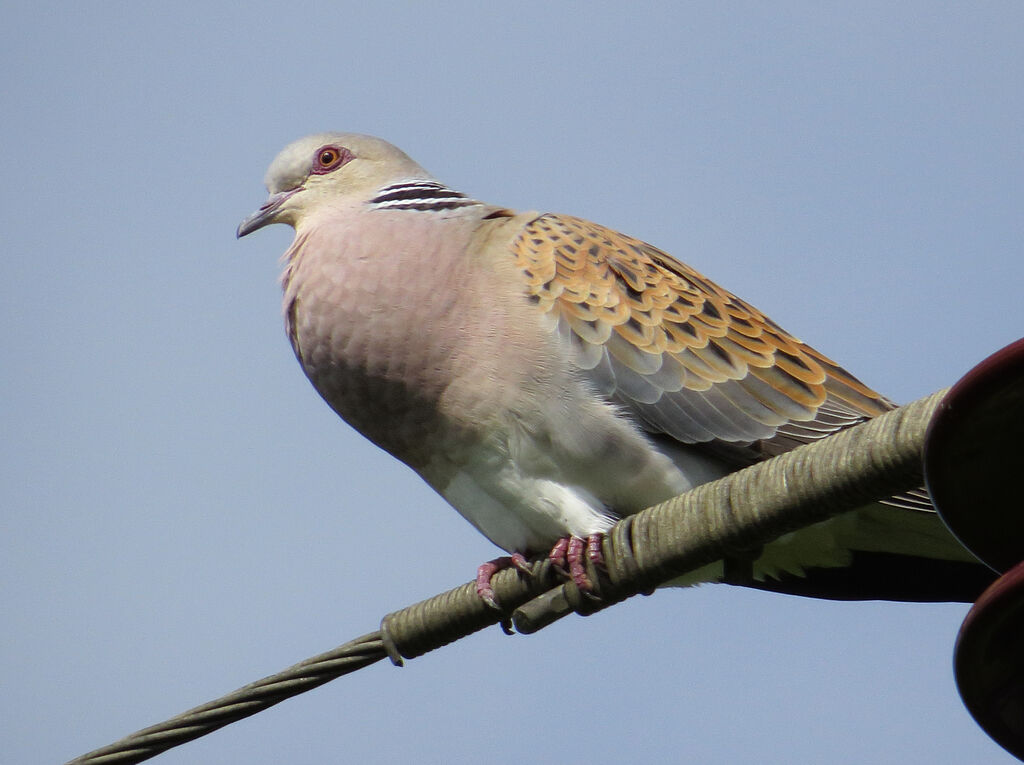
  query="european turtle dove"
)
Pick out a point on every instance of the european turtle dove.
point(547, 375)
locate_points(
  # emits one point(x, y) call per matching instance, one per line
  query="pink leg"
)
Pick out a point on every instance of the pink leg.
point(571, 553)
point(487, 570)
point(577, 568)
point(558, 553)
point(594, 553)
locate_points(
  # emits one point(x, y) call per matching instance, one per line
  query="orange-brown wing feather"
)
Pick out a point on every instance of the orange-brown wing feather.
point(689, 358)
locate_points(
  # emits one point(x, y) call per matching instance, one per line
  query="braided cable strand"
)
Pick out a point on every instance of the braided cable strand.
point(746, 509)
point(731, 516)
point(246, 701)
point(741, 512)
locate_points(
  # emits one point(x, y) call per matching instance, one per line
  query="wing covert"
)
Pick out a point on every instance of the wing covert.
point(690, 359)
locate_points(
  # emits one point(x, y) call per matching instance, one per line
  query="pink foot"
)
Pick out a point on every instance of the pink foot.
point(571, 553)
point(487, 570)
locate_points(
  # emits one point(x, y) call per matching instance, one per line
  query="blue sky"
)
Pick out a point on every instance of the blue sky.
point(182, 514)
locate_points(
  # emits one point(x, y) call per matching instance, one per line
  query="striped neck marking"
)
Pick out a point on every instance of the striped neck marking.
point(420, 195)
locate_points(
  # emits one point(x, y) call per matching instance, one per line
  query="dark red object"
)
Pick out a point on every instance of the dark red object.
point(989, 661)
point(974, 464)
point(974, 458)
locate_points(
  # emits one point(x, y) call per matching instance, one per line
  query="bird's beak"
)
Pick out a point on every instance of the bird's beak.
point(265, 215)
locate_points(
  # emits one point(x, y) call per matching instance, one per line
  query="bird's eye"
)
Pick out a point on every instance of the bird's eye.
point(330, 158)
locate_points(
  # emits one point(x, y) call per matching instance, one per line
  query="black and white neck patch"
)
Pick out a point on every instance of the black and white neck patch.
point(420, 195)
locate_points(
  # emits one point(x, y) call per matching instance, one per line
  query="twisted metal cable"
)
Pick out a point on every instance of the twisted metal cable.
point(733, 515)
point(244, 702)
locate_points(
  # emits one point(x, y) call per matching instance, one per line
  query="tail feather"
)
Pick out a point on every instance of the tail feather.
point(881, 576)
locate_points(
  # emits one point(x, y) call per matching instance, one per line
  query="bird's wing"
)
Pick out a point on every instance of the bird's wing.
point(688, 358)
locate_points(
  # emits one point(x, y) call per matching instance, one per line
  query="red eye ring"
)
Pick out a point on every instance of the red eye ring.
point(328, 158)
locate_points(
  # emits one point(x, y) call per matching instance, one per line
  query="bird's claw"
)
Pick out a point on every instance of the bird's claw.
point(486, 571)
point(570, 555)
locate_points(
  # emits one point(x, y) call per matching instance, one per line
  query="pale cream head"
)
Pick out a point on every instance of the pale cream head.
point(325, 167)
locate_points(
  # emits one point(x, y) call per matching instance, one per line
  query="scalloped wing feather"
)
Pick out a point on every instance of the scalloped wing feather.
point(690, 359)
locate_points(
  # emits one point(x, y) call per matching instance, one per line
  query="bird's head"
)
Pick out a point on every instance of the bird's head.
point(328, 168)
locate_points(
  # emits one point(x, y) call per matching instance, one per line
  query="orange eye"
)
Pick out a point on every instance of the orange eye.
point(329, 158)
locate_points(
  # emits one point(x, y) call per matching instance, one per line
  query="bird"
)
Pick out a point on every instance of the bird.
point(547, 375)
